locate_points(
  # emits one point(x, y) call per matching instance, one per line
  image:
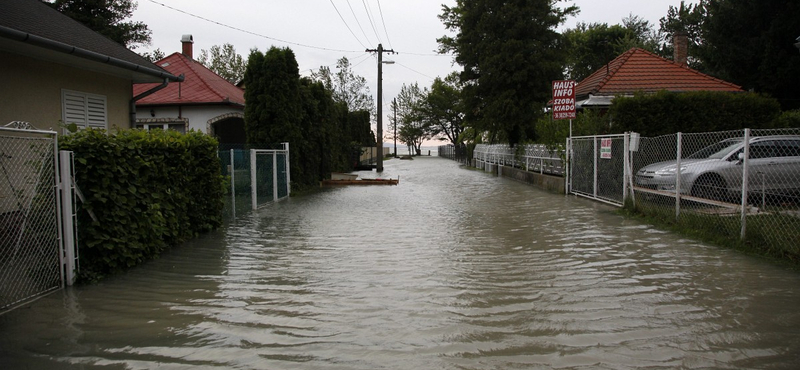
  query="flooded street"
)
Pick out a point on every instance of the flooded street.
point(452, 269)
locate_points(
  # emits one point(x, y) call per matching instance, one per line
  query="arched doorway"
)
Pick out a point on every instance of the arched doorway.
point(228, 128)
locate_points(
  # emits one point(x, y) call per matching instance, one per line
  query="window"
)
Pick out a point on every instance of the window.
point(788, 148)
point(84, 110)
point(763, 149)
point(180, 126)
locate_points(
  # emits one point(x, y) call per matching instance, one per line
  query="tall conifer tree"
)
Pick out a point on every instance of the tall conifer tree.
point(510, 52)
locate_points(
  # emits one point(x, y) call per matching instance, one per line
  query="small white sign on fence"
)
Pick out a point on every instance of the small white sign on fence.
point(605, 148)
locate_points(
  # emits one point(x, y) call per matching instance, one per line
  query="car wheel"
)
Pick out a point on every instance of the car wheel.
point(710, 187)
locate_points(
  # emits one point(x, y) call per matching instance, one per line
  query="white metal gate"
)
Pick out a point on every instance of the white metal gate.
point(31, 252)
point(269, 175)
point(599, 168)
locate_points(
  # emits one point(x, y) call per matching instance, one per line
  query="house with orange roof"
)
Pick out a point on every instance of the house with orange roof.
point(204, 101)
point(637, 71)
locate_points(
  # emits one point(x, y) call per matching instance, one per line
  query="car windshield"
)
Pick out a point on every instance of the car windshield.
point(717, 151)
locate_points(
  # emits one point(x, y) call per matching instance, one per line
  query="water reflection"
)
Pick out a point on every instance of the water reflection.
point(452, 269)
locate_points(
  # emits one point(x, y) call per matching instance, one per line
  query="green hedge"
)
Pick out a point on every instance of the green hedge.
point(144, 192)
point(665, 112)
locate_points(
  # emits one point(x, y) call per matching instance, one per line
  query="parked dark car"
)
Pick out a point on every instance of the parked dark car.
point(715, 172)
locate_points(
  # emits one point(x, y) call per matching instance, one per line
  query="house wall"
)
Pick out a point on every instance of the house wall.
point(198, 116)
point(31, 91)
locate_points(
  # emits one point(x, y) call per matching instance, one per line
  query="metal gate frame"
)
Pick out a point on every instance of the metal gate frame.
point(619, 194)
point(45, 238)
point(253, 176)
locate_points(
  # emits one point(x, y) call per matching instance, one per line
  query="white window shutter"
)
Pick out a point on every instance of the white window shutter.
point(96, 111)
point(84, 110)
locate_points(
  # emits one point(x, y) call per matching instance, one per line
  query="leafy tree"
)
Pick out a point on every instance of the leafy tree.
point(413, 130)
point(641, 34)
point(153, 56)
point(323, 149)
point(591, 46)
point(751, 44)
point(442, 109)
point(282, 107)
point(688, 20)
point(358, 129)
point(224, 61)
point(273, 105)
point(347, 87)
point(510, 53)
point(107, 17)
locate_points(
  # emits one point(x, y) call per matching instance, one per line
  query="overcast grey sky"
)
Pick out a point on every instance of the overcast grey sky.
point(322, 31)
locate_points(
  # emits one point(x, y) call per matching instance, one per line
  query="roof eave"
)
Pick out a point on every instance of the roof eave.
point(60, 47)
point(187, 104)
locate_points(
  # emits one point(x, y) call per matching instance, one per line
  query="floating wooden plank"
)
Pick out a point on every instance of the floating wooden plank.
point(360, 182)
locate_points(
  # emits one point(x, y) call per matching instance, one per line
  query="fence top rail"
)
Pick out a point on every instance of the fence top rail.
point(599, 136)
point(268, 151)
point(28, 131)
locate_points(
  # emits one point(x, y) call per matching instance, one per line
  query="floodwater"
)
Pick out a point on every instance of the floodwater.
point(452, 269)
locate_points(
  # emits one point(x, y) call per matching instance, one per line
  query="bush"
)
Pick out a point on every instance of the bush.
point(666, 112)
point(143, 192)
point(789, 118)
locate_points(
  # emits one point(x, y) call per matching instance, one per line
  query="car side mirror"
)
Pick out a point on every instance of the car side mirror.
point(740, 156)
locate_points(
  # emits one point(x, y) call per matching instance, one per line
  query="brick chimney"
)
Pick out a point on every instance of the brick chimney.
point(187, 42)
point(680, 42)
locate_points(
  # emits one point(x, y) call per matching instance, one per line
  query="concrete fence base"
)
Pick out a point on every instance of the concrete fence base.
point(550, 183)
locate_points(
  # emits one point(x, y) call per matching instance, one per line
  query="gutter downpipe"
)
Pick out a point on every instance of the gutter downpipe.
point(147, 93)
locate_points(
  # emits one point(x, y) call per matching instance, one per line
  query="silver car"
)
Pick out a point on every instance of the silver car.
point(715, 172)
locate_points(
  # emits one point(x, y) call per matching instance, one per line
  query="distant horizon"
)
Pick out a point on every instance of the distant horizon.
point(427, 144)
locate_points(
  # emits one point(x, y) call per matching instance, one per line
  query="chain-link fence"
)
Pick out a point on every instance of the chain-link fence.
point(533, 157)
point(597, 168)
point(256, 177)
point(742, 183)
point(29, 229)
point(457, 153)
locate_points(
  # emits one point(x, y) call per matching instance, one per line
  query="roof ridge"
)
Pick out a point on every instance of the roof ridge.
point(617, 62)
point(692, 70)
point(621, 59)
point(191, 63)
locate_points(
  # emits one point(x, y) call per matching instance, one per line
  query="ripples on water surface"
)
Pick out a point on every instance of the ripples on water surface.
point(452, 269)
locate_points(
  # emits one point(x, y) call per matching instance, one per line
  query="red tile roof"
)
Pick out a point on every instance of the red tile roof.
point(201, 86)
point(638, 70)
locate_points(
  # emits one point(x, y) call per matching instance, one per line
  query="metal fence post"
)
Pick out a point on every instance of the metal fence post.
point(288, 170)
point(568, 168)
point(745, 170)
point(253, 192)
point(626, 170)
point(596, 154)
point(678, 176)
point(274, 175)
point(67, 220)
point(233, 182)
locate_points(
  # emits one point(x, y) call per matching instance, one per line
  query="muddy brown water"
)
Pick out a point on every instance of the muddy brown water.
point(452, 269)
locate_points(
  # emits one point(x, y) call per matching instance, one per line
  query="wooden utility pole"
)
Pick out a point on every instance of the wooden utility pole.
point(379, 144)
point(394, 107)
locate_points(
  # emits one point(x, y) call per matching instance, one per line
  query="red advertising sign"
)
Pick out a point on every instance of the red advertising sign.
point(563, 99)
point(605, 148)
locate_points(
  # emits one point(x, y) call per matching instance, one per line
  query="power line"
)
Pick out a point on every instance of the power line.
point(346, 25)
point(251, 32)
point(357, 22)
point(417, 72)
point(429, 55)
point(384, 24)
point(369, 16)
